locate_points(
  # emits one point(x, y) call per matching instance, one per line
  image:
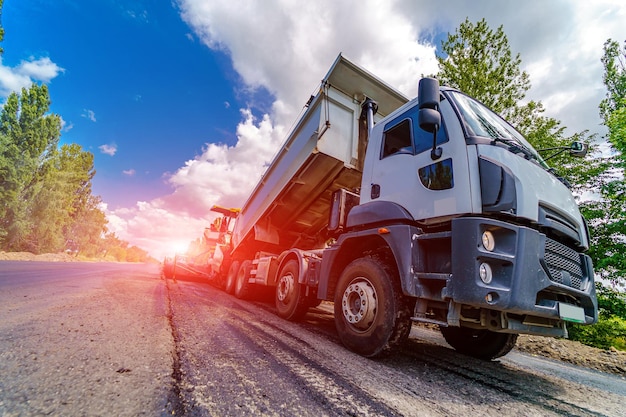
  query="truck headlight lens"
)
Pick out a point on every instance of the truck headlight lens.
point(489, 241)
point(485, 274)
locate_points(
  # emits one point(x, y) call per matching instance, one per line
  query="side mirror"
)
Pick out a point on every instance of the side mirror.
point(429, 120)
point(428, 93)
point(578, 149)
point(429, 116)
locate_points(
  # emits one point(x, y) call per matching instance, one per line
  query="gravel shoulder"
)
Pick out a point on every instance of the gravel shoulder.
point(610, 361)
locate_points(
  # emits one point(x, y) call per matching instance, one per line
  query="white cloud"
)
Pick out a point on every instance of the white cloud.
point(287, 47)
point(222, 175)
point(22, 76)
point(42, 69)
point(89, 114)
point(65, 126)
point(129, 172)
point(108, 149)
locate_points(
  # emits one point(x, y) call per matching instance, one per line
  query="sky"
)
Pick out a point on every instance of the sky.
point(184, 102)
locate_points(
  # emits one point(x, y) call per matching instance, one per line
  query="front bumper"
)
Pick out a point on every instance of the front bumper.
point(532, 275)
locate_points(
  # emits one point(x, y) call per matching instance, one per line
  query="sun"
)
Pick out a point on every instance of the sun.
point(178, 247)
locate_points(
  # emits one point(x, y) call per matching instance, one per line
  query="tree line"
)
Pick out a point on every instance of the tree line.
point(46, 200)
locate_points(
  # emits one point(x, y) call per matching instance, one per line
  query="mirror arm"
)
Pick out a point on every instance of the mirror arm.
point(555, 154)
point(435, 152)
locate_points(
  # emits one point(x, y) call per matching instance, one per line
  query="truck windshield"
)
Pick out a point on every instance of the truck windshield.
point(479, 121)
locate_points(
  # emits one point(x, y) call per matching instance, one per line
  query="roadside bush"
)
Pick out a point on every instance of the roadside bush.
point(609, 331)
point(611, 327)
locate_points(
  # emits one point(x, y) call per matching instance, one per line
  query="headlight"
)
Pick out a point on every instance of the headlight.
point(489, 241)
point(485, 274)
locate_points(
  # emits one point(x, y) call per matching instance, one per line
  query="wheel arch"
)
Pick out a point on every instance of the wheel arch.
point(302, 258)
point(355, 247)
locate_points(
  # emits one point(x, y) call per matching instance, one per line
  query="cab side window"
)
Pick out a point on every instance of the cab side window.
point(404, 136)
point(398, 139)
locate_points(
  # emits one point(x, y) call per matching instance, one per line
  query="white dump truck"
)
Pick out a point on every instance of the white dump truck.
point(431, 210)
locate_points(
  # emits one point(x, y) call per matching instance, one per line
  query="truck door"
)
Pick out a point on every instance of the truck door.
point(404, 172)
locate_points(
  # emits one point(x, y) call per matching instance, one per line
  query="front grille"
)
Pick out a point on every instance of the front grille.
point(560, 258)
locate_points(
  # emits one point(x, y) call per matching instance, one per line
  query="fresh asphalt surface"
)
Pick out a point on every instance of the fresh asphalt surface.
point(117, 339)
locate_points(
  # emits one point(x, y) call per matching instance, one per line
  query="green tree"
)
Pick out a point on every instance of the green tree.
point(614, 62)
point(88, 228)
point(46, 200)
point(479, 62)
point(29, 139)
point(62, 210)
point(609, 236)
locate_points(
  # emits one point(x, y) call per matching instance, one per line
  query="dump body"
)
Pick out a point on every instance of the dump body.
point(325, 151)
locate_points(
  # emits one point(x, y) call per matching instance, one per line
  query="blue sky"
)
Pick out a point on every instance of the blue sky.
point(184, 102)
point(134, 87)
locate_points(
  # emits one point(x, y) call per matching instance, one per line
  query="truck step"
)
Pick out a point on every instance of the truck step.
point(434, 276)
point(429, 321)
point(435, 236)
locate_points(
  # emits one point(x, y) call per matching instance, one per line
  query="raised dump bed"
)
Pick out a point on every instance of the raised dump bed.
point(290, 205)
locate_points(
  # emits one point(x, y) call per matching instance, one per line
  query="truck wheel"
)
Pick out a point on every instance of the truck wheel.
point(290, 301)
point(479, 343)
point(241, 284)
point(372, 316)
point(231, 278)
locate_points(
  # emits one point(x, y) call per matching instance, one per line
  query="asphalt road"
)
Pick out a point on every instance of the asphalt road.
point(81, 339)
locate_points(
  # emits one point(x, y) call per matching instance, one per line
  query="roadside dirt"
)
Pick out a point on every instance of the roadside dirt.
point(611, 361)
point(44, 257)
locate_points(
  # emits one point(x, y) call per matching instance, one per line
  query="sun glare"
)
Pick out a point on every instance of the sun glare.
point(178, 247)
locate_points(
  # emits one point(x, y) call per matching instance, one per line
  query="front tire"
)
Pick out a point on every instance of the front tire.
point(372, 316)
point(289, 295)
point(479, 343)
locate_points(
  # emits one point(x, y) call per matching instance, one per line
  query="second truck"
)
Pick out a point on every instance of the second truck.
point(432, 210)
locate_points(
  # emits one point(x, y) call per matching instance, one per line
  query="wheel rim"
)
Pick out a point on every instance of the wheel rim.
point(359, 304)
point(285, 288)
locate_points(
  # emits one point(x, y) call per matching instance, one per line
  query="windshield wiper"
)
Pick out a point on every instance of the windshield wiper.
point(516, 147)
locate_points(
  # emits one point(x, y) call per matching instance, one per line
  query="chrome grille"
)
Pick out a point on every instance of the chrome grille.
point(559, 258)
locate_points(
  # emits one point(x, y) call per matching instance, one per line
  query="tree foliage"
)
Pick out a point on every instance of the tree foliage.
point(608, 212)
point(45, 191)
point(479, 62)
point(614, 62)
point(611, 327)
point(46, 201)
point(29, 138)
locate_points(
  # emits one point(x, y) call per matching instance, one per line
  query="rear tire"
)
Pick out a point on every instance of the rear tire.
point(241, 285)
point(289, 294)
point(479, 343)
point(372, 316)
point(231, 278)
